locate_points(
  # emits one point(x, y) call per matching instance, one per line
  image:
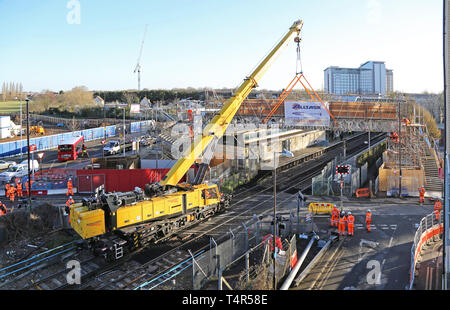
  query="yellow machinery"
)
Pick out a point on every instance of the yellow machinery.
point(117, 222)
point(37, 130)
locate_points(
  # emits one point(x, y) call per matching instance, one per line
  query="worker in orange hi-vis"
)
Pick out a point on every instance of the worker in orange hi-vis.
point(437, 209)
point(68, 204)
point(368, 219)
point(27, 187)
point(342, 221)
point(3, 209)
point(350, 223)
point(69, 187)
point(334, 216)
point(19, 190)
point(7, 186)
point(12, 193)
point(421, 194)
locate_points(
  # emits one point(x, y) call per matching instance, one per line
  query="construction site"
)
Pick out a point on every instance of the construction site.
point(230, 192)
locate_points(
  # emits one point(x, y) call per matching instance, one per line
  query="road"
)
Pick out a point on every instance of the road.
point(50, 158)
point(376, 260)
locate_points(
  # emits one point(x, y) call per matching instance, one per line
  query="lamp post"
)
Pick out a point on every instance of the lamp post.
point(124, 136)
point(274, 255)
point(21, 143)
point(399, 151)
point(300, 200)
point(28, 154)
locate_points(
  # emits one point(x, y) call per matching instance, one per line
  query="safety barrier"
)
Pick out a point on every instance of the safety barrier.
point(51, 179)
point(316, 207)
point(51, 142)
point(362, 192)
point(429, 227)
point(138, 126)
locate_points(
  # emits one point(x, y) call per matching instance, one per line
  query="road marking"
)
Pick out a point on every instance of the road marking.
point(389, 246)
point(390, 242)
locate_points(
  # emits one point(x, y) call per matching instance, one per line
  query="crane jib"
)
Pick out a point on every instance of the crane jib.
point(218, 125)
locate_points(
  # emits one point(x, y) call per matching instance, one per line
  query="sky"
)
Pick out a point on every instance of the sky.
point(60, 44)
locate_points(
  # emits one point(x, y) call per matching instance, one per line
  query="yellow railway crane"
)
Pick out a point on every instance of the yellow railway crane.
point(118, 222)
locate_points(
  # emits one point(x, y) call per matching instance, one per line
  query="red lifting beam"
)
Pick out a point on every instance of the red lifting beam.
point(288, 90)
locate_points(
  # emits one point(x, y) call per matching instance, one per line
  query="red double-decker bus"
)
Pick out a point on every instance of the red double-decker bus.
point(70, 149)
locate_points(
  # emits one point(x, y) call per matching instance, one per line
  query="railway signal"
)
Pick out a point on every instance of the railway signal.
point(342, 170)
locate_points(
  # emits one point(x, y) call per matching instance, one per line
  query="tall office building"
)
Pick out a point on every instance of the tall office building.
point(371, 78)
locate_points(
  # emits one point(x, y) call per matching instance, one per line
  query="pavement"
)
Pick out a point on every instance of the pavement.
point(429, 270)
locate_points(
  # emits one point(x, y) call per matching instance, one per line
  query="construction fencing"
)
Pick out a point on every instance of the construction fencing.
point(51, 142)
point(328, 184)
point(252, 241)
point(232, 173)
point(410, 186)
point(430, 229)
point(224, 252)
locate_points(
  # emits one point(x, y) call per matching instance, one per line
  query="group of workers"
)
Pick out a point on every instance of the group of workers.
point(16, 189)
point(437, 204)
point(342, 219)
point(11, 191)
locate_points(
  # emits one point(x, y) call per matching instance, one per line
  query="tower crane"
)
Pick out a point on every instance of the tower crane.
point(138, 65)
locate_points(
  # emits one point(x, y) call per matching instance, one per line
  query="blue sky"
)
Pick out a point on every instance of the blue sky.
point(214, 43)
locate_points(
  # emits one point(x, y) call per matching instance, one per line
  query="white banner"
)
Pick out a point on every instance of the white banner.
point(135, 108)
point(306, 113)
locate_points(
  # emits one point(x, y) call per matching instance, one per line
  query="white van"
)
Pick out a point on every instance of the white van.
point(34, 165)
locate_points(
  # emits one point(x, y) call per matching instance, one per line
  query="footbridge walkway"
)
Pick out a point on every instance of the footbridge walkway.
point(379, 116)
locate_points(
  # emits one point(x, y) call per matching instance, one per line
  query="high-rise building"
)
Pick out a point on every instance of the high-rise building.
point(371, 78)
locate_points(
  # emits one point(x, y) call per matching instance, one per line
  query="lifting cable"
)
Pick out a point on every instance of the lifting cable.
point(299, 57)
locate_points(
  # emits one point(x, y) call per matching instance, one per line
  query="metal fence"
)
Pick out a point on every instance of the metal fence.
point(377, 185)
point(427, 224)
point(232, 253)
point(222, 253)
point(363, 170)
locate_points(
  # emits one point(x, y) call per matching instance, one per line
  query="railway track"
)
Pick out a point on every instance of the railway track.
point(163, 262)
point(179, 259)
point(19, 270)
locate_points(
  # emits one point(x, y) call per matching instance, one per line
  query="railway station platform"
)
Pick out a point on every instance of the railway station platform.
point(301, 156)
point(306, 154)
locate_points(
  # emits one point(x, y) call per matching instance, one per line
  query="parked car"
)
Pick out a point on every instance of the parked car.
point(112, 147)
point(16, 171)
point(6, 164)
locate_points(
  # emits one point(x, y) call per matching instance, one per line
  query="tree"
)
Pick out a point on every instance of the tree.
point(77, 98)
point(43, 102)
point(4, 91)
point(428, 118)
